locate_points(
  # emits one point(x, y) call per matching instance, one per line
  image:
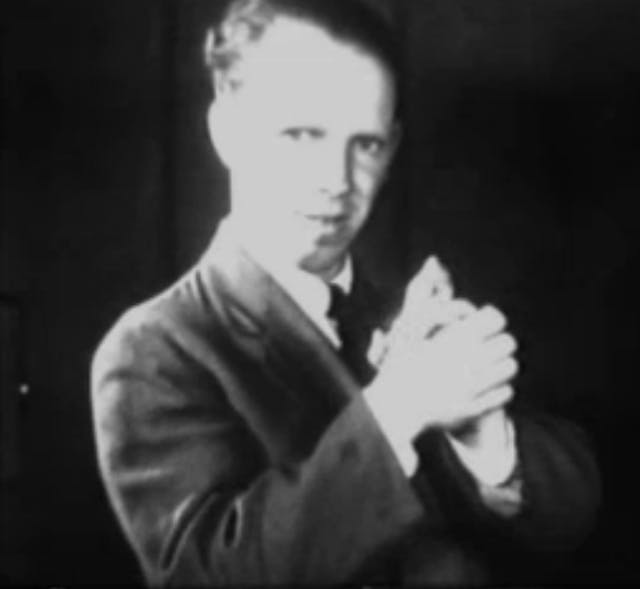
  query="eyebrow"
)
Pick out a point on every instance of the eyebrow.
point(383, 134)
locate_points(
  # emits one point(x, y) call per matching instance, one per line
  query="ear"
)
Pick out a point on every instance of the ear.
point(220, 133)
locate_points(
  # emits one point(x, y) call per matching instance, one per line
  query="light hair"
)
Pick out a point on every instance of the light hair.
point(246, 21)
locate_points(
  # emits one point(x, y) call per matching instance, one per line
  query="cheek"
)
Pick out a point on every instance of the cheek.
point(277, 165)
point(368, 182)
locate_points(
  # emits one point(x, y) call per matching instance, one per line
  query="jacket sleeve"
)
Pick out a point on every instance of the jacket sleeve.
point(199, 502)
point(560, 492)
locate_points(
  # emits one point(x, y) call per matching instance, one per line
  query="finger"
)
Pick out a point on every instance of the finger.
point(495, 349)
point(448, 313)
point(483, 380)
point(377, 348)
point(480, 325)
point(457, 309)
point(431, 285)
point(493, 399)
point(425, 321)
point(432, 281)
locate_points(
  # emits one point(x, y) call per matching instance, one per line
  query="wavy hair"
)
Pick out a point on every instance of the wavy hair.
point(246, 21)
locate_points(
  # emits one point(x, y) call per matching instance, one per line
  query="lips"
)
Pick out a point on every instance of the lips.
point(328, 224)
point(329, 219)
point(326, 217)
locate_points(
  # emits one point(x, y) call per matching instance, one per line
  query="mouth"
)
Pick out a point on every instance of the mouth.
point(327, 220)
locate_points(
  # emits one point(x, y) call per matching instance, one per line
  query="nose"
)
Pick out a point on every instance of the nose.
point(336, 170)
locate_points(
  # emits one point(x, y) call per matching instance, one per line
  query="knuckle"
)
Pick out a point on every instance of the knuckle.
point(510, 342)
point(495, 316)
point(465, 306)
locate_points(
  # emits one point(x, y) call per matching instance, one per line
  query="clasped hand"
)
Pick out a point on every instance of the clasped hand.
point(444, 363)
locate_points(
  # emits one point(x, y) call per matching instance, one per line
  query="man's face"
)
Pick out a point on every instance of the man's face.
point(310, 136)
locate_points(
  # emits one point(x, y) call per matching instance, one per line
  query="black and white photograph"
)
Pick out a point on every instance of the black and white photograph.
point(319, 292)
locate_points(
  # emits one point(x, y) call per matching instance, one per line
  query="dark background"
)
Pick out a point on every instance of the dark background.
point(520, 171)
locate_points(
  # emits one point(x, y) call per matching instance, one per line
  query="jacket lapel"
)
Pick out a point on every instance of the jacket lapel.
point(293, 349)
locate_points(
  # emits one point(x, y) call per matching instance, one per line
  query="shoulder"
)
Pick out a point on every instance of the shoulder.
point(163, 331)
point(140, 328)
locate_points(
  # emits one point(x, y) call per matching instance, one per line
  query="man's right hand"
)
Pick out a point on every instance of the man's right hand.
point(450, 378)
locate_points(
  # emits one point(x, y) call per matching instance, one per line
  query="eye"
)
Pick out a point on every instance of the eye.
point(370, 145)
point(302, 134)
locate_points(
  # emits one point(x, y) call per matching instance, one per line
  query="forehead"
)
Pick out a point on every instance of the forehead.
point(299, 70)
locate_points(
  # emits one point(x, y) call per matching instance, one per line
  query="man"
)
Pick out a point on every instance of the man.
point(243, 436)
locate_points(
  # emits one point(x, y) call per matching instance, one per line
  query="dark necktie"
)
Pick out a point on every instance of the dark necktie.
point(353, 334)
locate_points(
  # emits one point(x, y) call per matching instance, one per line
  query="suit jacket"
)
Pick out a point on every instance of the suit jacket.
point(236, 447)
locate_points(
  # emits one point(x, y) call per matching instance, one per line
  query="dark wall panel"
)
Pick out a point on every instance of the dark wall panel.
point(525, 138)
point(83, 153)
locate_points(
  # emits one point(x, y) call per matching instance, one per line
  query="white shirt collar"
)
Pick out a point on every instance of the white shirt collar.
point(308, 291)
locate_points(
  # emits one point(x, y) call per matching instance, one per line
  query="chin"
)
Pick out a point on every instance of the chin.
point(322, 262)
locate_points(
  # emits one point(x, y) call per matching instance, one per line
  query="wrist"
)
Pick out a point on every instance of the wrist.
point(394, 424)
point(489, 452)
point(491, 429)
point(392, 411)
